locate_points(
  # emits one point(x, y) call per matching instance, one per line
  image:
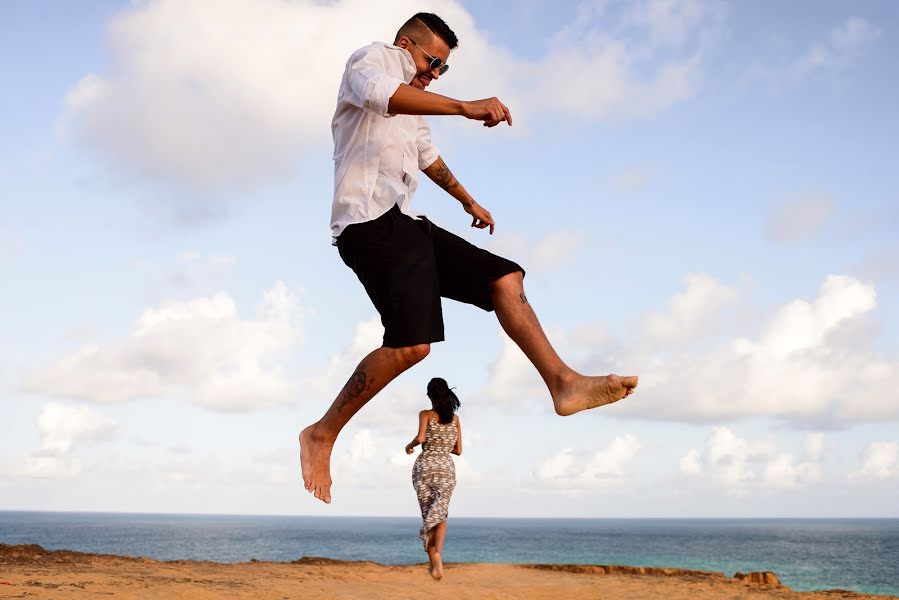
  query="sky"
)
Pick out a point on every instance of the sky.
point(702, 193)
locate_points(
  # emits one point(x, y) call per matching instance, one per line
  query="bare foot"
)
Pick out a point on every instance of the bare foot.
point(583, 392)
point(437, 568)
point(315, 461)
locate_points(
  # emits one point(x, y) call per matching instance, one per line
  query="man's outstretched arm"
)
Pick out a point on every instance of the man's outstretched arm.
point(408, 100)
point(442, 176)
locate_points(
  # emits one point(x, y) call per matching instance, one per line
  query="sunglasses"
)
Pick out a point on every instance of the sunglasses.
point(436, 63)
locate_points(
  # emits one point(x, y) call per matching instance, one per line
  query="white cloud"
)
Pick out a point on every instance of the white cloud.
point(555, 251)
point(63, 426)
point(644, 58)
point(814, 446)
point(799, 218)
point(610, 91)
point(200, 350)
point(353, 466)
point(568, 471)
point(218, 93)
point(672, 22)
point(690, 463)
point(48, 467)
point(394, 410)
point(738, 464)
point(807, 362)
point(512, 377)
point(690, 311)
point(783, 472)
point(841, 48)
point(880, 460)
point(368, 336)
point(800, 368)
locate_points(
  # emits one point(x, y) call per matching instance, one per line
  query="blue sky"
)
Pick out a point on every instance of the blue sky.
point(703, 194)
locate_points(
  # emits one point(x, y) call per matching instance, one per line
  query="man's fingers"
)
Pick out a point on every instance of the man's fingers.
point(507, 113)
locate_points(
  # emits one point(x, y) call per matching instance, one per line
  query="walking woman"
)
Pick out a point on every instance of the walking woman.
point(434, 474)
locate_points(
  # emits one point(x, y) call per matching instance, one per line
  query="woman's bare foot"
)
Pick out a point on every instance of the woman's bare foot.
point(437, 566)
point(430, 565)
point(315, 461)
point(582, 393)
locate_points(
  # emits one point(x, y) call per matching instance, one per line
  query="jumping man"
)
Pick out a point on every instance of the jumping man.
point(405, 262)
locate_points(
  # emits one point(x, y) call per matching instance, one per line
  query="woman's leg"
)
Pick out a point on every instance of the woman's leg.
point(437, 557)
point(431, 550)
point(439, 536)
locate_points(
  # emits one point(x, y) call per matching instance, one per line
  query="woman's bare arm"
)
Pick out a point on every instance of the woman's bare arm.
point(457, 449)
point(422, 428)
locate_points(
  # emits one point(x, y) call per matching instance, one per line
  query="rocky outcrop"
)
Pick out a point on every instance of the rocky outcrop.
point(755, 578)
point(758, 578)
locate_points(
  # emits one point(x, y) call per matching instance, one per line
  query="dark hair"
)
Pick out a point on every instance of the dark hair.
point(430, 21)
point(444, 400)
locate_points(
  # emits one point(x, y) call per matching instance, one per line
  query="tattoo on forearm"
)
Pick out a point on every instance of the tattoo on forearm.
point(524, 299)
point(443, 177)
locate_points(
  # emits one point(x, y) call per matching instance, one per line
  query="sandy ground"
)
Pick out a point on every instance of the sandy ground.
point(32, 572)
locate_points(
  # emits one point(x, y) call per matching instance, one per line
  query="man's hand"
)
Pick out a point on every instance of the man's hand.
point(480, 216)
point(489, 110)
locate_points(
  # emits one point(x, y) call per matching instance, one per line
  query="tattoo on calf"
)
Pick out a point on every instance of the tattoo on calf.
point(524, 299)
point(353, 388)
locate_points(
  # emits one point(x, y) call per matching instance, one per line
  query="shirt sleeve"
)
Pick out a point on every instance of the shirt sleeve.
point(427, 151)
point(370, 83)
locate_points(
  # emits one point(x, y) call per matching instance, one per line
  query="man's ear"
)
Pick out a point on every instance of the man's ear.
point(403, 42)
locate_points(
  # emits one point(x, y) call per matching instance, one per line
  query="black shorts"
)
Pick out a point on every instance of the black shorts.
point(406, 265)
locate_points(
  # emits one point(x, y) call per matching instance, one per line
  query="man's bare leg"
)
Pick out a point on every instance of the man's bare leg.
point(571, 392)
point(371, 376)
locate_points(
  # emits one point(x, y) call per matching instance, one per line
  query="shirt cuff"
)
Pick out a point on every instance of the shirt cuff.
point(427, 157)
point(377, 93)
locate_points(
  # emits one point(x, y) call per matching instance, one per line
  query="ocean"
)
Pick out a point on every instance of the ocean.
point(807, 554)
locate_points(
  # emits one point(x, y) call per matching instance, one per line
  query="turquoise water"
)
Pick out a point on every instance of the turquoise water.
point(807, 554)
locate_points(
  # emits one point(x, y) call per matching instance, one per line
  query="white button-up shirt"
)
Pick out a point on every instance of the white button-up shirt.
point(377, 155)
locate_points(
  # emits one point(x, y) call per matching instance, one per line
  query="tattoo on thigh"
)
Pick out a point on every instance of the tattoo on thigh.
point(524, 299)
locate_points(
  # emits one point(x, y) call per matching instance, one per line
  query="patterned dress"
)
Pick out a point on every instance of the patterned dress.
point(434, 475)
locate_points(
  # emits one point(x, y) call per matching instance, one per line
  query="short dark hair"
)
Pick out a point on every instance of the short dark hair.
point(430, 21)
